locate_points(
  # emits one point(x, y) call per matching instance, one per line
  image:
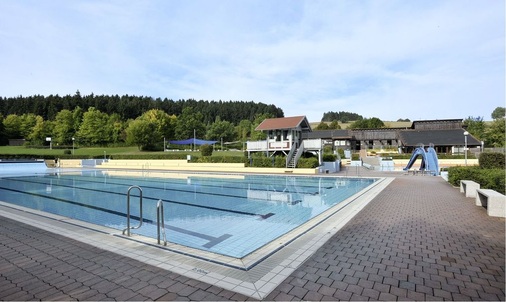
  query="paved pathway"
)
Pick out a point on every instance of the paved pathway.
point(419, 239)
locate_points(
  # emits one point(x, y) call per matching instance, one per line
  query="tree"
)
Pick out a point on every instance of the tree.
point(28, 121)
point(499, 112)
point(322, 126)
point(221, 130)
point(190, 123)
point(148, 130)
point(3, 137)
point(64, 127)
point(131, 107)
point(259, 135)
point(475, 126)
point(342, 116)
point(243, 130)
point(334, 125)
point(495, 133)
point(40, 131)
point(143, 134)
point(77, 116)
point(93, 130)
point(367, 123)
point(116, 128)
point(12, 124)
point(165, 124)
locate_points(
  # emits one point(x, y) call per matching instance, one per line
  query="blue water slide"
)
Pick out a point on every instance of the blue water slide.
point(417, 152)
point(429, 160)
point(433, 161)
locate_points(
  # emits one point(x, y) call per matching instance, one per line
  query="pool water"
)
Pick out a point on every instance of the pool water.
point(232, 215)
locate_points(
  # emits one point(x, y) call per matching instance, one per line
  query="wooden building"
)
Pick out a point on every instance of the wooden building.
point(292, 136)
point(285, 136)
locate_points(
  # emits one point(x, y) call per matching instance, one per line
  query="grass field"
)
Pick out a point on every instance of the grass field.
point(106, 151)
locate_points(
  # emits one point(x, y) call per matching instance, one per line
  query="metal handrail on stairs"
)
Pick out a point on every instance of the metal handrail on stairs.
point(289, 157)
point(128, 228)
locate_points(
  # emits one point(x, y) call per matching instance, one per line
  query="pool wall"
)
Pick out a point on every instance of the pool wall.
point(181, 165)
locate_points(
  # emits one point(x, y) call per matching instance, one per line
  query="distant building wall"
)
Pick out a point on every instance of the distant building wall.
point(437, 124)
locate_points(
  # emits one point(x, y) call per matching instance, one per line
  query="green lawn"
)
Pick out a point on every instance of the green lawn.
point(78, 151)
point(93, 152)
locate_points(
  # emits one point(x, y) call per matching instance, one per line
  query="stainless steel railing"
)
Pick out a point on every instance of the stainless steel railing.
point(128, 228)
point(160, 222)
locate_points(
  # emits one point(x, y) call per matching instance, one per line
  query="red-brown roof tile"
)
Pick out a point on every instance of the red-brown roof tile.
point(283, 123)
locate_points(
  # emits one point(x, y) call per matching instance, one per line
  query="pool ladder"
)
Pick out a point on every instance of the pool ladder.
point(160, 221)
point(128, 228)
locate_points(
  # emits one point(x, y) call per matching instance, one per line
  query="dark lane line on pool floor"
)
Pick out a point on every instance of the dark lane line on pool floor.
point(263, 216)
point(212, 241)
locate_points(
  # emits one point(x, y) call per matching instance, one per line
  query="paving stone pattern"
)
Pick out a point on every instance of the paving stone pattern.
point(419, 239)
point(39, 265)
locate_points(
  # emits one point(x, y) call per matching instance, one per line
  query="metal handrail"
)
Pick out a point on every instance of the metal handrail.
point(160, 217)
point(128, 228)
point(289, 157)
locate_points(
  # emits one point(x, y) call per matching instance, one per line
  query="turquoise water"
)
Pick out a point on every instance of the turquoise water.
point(229, 215)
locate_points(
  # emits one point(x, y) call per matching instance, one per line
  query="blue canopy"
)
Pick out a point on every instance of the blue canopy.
point(193, 141)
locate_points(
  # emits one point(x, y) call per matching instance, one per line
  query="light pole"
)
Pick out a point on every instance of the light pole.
point(73, 150)
point(465, 146)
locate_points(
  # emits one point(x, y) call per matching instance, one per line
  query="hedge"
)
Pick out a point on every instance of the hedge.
point(265, 162)
point(279, 162)
point(329, 157)
point(487, 178)
point(29, 156)
point(492, 160)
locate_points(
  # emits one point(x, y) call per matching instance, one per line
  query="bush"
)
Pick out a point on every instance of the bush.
point(206, 150)
point(327, 149)
point(329, 157)
point(260, 160)
point(217, 159)
point(492, 160)
point(67, 151)
point(309, 163)
point(493, 179)
point(165, 155)
point(456, 174)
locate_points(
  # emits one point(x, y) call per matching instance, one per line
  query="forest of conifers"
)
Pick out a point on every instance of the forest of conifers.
point(131, 107)
point(132, 120)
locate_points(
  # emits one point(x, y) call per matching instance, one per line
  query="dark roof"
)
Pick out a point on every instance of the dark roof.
point(284, 123)
point(439, 121)
point(326, 134)
point(445, 137)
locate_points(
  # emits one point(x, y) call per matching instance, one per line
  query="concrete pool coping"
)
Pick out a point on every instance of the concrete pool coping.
point(256, 282)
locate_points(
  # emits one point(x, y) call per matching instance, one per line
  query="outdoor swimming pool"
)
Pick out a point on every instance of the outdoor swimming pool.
point(231, 215)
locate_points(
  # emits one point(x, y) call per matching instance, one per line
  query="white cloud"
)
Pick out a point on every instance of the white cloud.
point(389, 59)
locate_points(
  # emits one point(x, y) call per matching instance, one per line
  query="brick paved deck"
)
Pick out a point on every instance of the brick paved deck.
point(419, 239)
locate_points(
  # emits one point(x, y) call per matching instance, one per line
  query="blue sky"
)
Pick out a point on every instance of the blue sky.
point(380, 58)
